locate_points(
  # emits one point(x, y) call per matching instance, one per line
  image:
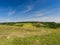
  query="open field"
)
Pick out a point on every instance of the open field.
point(28, 35)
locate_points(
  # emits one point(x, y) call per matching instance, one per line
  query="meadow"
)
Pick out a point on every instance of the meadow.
point(29, 34)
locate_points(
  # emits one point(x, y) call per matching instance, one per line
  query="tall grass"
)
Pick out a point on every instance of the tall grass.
point(29, 34)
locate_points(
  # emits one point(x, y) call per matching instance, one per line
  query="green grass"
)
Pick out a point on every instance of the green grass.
point(51, 39)
point(13, 35)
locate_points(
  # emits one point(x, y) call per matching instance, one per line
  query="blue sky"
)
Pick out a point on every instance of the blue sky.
point(29, 10)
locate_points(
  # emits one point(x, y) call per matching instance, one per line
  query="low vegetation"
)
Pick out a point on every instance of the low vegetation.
point(30, 33)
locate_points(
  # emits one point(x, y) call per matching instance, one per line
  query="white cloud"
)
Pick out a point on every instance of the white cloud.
point(7, 20)
point(3, 20)
point(51, 15)
point(29, 8)
point(11, 13)
point(45, 15)
point(38, 14)
point(45, 19)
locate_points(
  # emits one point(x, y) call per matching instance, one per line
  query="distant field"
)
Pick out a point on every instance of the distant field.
point(28, 35)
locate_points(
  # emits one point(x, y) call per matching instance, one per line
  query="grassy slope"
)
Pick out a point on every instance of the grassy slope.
point(13, 35)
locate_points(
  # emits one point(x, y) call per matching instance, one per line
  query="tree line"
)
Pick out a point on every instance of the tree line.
point(36, 24)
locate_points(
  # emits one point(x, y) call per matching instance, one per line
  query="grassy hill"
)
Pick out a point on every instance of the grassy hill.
point(30, 33)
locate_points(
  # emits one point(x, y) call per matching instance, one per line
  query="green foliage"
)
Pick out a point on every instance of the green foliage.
point(34, 24)
point(51, 25)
